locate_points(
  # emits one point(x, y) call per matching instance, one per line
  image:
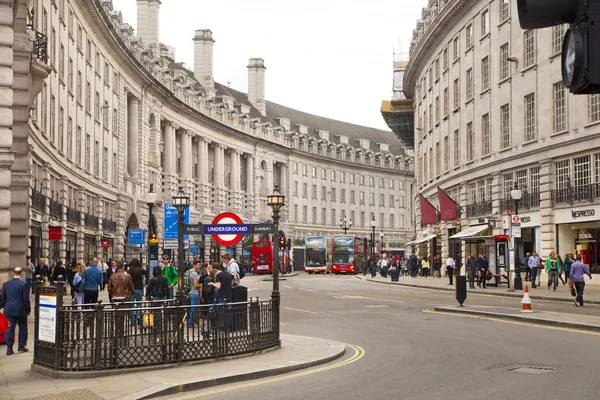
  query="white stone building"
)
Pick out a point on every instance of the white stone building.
point(491, 111)
point(117, 114)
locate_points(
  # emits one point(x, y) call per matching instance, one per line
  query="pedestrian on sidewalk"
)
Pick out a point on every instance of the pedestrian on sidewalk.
point(77, 287)
point(567, 265)
point(425, 267)
point(553, 269)
point(120, 284)
point(450, 265)
point(472, 270)
point(484, 267)
point(92, 278)
point(578, 269)
point(29, 271)
point(527, 267)
point(15, 296)
point(170, 272)
point(560, 260)
point(533, 262)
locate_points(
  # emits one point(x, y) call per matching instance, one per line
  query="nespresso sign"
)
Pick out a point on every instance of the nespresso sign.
point(583, 213)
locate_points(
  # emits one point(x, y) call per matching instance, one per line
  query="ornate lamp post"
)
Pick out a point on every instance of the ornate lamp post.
point(180, 202)
point(276, 201)
point(373, 265)
point(515, 195)
point(381, 235)
point(152, 247)
point(345, 224)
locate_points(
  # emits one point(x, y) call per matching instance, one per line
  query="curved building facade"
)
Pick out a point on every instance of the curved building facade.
point(491, 112)
point(119, 115)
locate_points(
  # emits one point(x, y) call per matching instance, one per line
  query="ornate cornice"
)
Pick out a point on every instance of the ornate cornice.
point(447, 18)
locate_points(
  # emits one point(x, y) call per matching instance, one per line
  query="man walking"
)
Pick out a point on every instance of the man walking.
point(578, 269)
point(484, 267)
point(15, 296)
point(553, 269)
point(472, 270)
point(120, 285)
point(92, 281)
point(231, 266)
point(170, 272)
point(29, 271)
point(450, 265)
point(195, 291)
point(533, 262)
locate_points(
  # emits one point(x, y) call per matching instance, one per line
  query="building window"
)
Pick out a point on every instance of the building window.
point(445, 58)
point(505, 125)
point(455, 48)
point(305, 190)
point(70, 139)
point(352, 197)
point(563, 174)
point(333, 195)
point(391, 200)
point(97, 107)
point(295, 167)
point(437, 109)
point(558, 33)
point(507, 185)
point(446, 154)
point(529, 48)
point(437, 69)
point(106, 73)
point(469, 36)
point(372, 199)
point(504, 72)
point(97, 159)
point(79, 38)
point(314, 192)
point(52, 118)
point(78, 146)
point(70, 78)
point(485, 73)
point(323, 193)
point(582, 170)
point(362, 198)
point(305, 214)
point(445, 102)
point(97, 63)
point(105, 164)
point(371, 181)
point(485, 134)
point(470, 84)
point(323, 216)
point(333, 175)
point(530, 131)
point(430, 118)
point(343, 177)
point(88, 53)
point(304, 170)
point(333, 216)
point(61, 63)
point(314, 215)
point(382, 200)
point(504, 10)
point(431, 171)
point(88, 98)
point(456, 148)
point(470, 141)
point(88, 154)
point(79, 93)
point(594, 108)
point(61, 129)
point(521, 179)
point(456, 94)
point(560, 108)
point(485, 22)
point(296, 213)
point(352, 179)
point(114, 169)
point(323, 173)
point(438, 159)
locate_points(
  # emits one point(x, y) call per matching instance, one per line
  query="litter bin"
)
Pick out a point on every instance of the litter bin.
point(240, 311)
point(394, 274)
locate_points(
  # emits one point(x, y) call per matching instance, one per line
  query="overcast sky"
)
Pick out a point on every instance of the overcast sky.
point(332, 58)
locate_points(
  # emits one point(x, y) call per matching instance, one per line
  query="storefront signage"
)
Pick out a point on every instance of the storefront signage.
point(55, 233)
point(583, 213)
point(47, 318)
point(585, 236)
point(105, 243)
point(525, 220)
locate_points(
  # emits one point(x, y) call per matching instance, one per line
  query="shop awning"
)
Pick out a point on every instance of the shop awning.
point(422, 240)
point(471, 232)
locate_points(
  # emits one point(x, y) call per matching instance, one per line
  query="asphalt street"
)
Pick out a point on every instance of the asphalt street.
point(401, 351)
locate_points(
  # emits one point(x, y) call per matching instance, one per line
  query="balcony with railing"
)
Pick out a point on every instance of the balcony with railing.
point(576, 194)
point(479, 209)
point(40, 47)
point(90, 221)
point(529, 201)
point(38, 201)
point(73, 216)
point(109, 226)
point(56, 209)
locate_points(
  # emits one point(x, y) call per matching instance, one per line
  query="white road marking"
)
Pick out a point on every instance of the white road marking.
point(299, 310)
point(308, 290)
point(378, 306)
point(287, 287)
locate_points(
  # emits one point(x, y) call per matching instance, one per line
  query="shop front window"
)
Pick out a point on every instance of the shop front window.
point(580, 239)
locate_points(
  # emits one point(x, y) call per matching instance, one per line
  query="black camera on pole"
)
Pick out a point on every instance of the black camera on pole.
point(581, 45)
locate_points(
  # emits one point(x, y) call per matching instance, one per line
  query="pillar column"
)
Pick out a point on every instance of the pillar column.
point(283, 189)
point(250, 185)
point(546, 213)
point(496, 196)
point(169, 178)
point(46, 215)
point(133, 135)
point(99, 211)
point(218, 178)
point(63, 198)
point(80, 244)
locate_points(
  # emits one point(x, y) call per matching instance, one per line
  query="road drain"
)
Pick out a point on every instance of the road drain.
point(533, 370)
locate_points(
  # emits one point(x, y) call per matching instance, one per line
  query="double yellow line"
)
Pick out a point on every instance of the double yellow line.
point(359, 353)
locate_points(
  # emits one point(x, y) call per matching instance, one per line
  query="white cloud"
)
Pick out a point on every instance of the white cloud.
point(328, 57)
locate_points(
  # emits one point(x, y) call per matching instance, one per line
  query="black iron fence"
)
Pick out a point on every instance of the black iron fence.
point(73, 215)
point(91, 221)
point(40, 47)
point(479, 209)
point(109, 226)
point(38, 200)
point(528, 201)
point(56, 209)
point(123, 335)
point(576, 194)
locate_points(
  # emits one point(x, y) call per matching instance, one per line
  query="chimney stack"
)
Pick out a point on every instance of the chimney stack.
point(256, 84)
point(203, 59)
point(147, 21)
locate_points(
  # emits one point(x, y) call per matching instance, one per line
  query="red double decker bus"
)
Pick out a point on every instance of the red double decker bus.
point(347, 254)
point(262, 257)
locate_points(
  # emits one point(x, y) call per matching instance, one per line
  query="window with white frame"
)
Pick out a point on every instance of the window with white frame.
point(562, 173)
point(473, 193)
point(323, 216)
point(314, 215)
point(534, 180)
point(558, 33)
point(333, 175)
point(342, 195)
point(424, 169)
point(437, 68)
point(485, 22)
point(505, 125)
point(352, 197)
point(529, 48)
point(371, 199)
point(314, 192)
point(392, 184)
point(314, 172)
point(431, 163)
point(530, 125)
point(504, 10)
point(445, 58)
point(560, 107)
point(446, 153)
point(485, 134)
point(323, 173)
point(456, 48)
point(445, 102)
point(381, 200)
point(507, 185)
point(469, 84)
point(430, 118)
point(392, 199)
point(597, 167)
point(456, 94)
point(470, 142)
point(593, 108)
point(481, 191)
point(305, 214)
point(333, 194)
point(438, 159)
point(521, 179)
point(437, 109)
point(456, 148)
point(485, 73)
point(361, 198)
point(582, 170)
point(469, 36)
point(305, 190)
point(304, 169)
point(504, 71)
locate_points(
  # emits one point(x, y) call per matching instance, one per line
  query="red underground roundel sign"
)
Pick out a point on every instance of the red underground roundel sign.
point(229, 219)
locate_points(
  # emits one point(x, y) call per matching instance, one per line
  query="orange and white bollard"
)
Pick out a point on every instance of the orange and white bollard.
point(526, 302)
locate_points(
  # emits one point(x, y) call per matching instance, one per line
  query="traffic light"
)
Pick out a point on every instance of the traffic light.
point(580, 50)
point(282, 242)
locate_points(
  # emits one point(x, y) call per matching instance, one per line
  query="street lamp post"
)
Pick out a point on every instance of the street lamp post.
point(151, 200)
point(180, 202)
point(276, 201)
point(381, 235)
point(373, 263)
point(515, 195)
point(345, 224)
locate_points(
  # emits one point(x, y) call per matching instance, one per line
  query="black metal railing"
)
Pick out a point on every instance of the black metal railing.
point(576, 194)
point(479, 209)
point(115, 336)
point(528, 201)
point(38, 200)
point(109, 226)
point(40, 47)
point(73, 216)
point(56, 209)
point(91, 221)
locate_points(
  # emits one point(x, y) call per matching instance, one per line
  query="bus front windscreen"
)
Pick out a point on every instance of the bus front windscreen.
point(316, 252)
point(343, 250)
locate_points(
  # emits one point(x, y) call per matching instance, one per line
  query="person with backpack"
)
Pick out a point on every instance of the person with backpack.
point(78, 284)
point(553, 269)
point(231, 266)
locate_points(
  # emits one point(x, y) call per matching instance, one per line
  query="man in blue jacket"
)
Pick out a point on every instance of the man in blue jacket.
point(92, 281)
point(15, 296)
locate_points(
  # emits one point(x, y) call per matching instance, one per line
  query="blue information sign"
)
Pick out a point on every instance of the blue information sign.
point(170, 221)
point(227, 229)
point(194, 249)
point(136, 236)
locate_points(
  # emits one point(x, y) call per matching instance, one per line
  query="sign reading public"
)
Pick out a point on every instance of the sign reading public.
point(228, 235)
point(47, 318)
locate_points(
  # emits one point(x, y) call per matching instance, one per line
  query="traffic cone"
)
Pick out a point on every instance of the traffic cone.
point(526, 301)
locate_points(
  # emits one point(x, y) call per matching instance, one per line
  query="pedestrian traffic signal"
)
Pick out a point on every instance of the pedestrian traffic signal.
point(580, 56)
